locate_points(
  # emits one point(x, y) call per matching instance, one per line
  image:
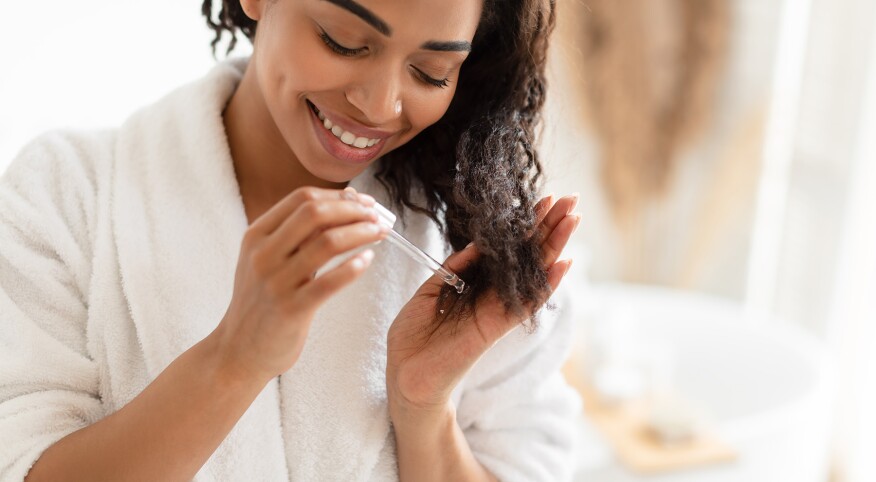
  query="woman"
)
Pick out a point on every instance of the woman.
point(162, 319)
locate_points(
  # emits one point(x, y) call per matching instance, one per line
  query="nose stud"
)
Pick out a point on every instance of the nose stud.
point(398, 107)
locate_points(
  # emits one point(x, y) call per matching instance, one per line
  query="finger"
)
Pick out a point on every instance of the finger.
point(558, 272)
point(318, 290)
point(271, 220)
point(460, 260)
point(558, 239)
point(456, 263)
point(558, 211)
point(542, 208)
point(330, 243)
point(311, 219)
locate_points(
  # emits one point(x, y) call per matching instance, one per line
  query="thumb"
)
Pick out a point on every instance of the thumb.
point(456, 262)
point(460, 260)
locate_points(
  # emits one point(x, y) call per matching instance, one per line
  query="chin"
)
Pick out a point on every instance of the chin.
point(336, 174)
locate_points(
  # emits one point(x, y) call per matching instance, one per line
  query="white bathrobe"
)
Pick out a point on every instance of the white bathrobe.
point(118, 252)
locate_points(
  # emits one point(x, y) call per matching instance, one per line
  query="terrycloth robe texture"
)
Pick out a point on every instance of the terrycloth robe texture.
point(117, 253)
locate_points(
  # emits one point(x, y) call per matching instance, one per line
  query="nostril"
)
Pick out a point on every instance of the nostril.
point(375, 105)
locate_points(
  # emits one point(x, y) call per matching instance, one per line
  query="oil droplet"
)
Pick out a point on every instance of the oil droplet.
point(454, 281)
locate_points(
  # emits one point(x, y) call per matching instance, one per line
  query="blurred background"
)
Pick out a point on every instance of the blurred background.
point(724, 151)
point(724, 283)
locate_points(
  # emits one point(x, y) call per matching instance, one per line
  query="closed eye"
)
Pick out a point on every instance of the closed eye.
point(338, 48)
point(431, 80)
point(348, 52)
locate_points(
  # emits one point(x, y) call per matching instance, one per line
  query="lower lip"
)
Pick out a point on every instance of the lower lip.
point(338, 149)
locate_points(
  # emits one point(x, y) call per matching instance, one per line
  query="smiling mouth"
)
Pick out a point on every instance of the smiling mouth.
point(346, 137)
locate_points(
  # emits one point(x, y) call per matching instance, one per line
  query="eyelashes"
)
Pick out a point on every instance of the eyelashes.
point(429, 80)
point(348, 52)
point(338, 48)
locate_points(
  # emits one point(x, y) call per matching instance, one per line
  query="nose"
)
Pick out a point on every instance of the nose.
point(377, 96)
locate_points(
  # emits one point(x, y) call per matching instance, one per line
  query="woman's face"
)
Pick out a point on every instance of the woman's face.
point(347, 81)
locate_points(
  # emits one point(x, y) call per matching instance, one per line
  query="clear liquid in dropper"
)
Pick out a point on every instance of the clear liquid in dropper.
point(455, 281)
point(420, 256)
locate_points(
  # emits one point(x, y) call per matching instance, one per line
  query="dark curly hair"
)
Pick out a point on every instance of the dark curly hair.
point(477, 166)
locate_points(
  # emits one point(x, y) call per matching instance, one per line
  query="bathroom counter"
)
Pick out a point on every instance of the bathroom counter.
point(763, 384)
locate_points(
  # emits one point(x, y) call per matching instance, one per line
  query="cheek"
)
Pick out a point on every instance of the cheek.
point(426, 109)
point(287, 72)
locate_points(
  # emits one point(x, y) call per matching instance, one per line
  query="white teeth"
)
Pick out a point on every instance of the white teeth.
point(346, 137)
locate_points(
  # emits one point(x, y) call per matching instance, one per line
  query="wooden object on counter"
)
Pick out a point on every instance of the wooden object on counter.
point(625, 429)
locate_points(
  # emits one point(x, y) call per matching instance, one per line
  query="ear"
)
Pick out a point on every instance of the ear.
point(254, 9)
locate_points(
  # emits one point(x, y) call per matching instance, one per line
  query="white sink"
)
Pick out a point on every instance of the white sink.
point(765, 386)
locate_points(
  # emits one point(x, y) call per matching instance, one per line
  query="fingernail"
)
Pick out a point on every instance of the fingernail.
point(363, 259)
point(366, 199)
point(575, 197)
point(349, 189)
point(577, 222)
point(568, 267)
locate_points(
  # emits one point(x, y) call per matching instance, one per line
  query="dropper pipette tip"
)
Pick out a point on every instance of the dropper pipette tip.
point(424, 259)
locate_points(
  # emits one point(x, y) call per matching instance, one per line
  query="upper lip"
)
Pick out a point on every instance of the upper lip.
point(352, 126)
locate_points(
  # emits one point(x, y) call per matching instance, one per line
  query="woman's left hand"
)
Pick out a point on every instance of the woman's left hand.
point(423, 370)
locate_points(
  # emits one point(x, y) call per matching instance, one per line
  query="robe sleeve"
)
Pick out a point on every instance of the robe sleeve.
point(48, 381)
point(517, 412)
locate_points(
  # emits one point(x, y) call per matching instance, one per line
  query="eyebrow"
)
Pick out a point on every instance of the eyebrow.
point(365, 14)
point(452, 46)
point(381, 26)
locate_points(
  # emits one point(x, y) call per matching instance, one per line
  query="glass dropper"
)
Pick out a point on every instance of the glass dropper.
point(387, 218)
point(420, 256)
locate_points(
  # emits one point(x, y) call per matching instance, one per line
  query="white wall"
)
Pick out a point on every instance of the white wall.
point(91, 63)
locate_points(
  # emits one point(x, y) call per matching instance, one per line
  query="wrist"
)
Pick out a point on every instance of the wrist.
point(410, 396)
point(227, 369)
point(421, 419)
point(430, 445)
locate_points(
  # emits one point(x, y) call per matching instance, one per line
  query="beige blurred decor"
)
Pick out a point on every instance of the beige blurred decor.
point(677, 153)
point(650, 68)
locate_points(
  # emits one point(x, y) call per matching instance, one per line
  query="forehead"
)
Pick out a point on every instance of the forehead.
point(438, 19)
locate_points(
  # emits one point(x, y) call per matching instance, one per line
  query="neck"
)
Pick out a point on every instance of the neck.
point(267, 170)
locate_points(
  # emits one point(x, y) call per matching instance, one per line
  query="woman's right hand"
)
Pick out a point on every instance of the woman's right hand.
point(275, 291)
